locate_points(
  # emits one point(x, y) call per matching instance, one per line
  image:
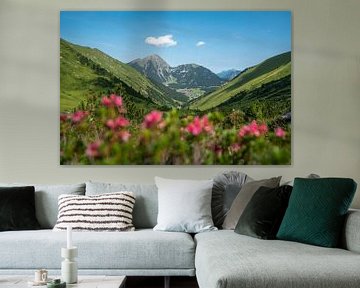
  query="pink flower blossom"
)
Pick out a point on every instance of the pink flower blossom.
point(92, 149)
point(207, 126)
point(253, 129)
point(117, 122)
point(200, 124)
point(116, 100)
point(279, 132)
point(153, 118)
point(195, 127)
point(124, 135)
point(235, 147)
point(121, 122)
point(78, 116)
point(106, 101)
point(112, 100)
point(111, 124)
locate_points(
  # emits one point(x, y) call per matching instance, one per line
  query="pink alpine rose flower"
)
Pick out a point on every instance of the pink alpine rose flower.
point(106, 101)
point(235, 147)
point(117, 122)
point(153, 118)
point(253, 129)
point(121, 122)
point(124, 136)
point(78, 116)
point(195, 127)
point(206, 125)
point(111, 124)
point(92, 149)
point(279, 132)
point(116, 100)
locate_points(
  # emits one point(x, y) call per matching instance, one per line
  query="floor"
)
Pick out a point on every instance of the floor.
point(158, 282)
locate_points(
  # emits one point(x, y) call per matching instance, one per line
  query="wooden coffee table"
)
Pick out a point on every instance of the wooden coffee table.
point(83, 282)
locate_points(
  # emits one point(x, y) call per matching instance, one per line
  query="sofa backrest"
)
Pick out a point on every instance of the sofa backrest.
point(146, 203)
point(46, 200)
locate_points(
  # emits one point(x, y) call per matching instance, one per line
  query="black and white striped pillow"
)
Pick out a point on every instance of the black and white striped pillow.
point(105, 212)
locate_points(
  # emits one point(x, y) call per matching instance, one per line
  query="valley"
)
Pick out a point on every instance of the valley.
point(151, 82)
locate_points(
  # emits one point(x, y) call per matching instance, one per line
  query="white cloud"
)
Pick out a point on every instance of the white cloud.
point(161, 41)
point(200, 43)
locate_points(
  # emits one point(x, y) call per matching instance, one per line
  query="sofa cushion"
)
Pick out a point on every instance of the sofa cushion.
point(46, 200)
point(225, 189)
point(17, 208)
point(317, 209)
point(225, 259)
point(146, 205)
point(143, 249)
point(105, 212)
point(243, 198)
point(263, 215)
point(184, 205)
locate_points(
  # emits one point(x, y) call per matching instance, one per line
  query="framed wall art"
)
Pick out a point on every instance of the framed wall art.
point(175, 87)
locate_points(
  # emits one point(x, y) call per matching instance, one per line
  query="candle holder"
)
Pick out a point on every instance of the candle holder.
point(69, 271)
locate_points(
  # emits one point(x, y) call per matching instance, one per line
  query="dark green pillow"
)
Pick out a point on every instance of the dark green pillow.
point(17, 208)
point(316, 211)
point(263, 214)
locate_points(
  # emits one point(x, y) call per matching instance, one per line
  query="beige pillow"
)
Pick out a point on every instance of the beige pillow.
point(243, 198)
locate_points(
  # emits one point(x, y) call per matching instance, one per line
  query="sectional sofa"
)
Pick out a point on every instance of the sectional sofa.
point(218, 259)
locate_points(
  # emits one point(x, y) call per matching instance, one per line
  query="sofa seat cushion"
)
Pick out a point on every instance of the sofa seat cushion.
point(142, 249)
point(226, 259)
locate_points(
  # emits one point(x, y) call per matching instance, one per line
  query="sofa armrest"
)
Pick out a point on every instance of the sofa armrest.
point(351, 234)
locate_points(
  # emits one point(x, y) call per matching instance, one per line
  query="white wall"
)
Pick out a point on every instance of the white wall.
point(326, 91)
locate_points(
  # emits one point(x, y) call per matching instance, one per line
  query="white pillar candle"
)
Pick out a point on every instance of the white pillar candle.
point(69, 237)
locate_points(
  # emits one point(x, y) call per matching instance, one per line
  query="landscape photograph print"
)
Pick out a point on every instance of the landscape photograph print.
point(175, 88)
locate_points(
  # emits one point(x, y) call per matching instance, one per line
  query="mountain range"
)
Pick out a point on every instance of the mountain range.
point(151, 82)
point(184, 76)
point(228, 75)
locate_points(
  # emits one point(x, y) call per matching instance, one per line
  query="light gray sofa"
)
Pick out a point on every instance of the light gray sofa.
point(220, 259)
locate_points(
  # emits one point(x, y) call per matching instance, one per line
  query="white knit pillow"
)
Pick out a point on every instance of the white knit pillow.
point(105, 212)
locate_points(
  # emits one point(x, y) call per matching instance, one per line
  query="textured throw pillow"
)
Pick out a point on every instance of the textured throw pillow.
point(17, 209)
point(184, 205)
point(263, 215)
point(146, 205)
point(243, 198)
point(106, 212)
point(316, 211)
point(226, 187)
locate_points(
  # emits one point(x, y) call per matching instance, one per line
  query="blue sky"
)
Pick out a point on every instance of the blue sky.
point(217, 40)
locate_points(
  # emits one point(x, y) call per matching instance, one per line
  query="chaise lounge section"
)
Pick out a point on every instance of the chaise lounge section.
point(225, 259)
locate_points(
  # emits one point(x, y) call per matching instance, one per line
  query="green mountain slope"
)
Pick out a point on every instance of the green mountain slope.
point(85, 71)
point(270, 70)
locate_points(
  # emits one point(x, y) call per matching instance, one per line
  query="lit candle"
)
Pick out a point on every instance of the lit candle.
point(69, 237)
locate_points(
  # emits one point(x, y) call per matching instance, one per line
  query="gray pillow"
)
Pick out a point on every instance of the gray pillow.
point(146, 204)
point(46, 200)
point(184, 205)
point(310, 176)
point(243, 198)
point(226, 187)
